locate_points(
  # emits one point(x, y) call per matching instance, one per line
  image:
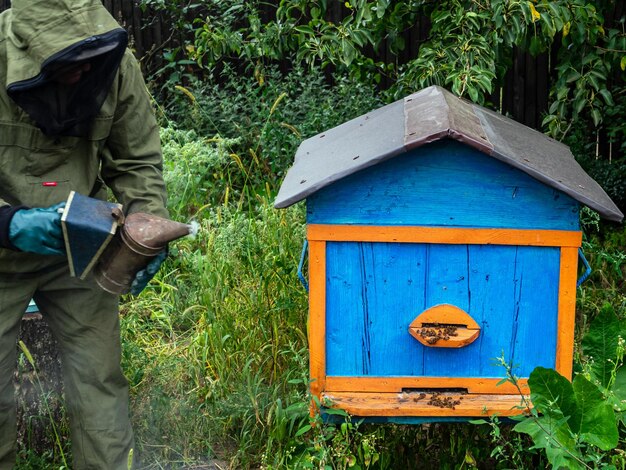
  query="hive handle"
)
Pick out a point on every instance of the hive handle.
point(587, 272)
point(305, 247)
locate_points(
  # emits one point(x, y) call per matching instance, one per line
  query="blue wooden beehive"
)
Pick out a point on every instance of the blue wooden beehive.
point(441, 235)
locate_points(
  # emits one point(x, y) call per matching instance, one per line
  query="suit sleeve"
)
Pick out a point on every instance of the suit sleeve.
point(132, 163)
point(6, 214)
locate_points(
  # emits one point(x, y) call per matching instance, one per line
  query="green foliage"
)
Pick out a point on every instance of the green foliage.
point(616, 124)
point(510, 449)
point(225, 317)
point(602, 153)
point(458, 56)
point(254, 126)
point(605, 253)
point(298, 30)
point(588, 56)
point(176, 12)
point(196, 170)
point(55, 417)
point(469, 48)
point(29, 460)
point(467, 45)
point(574, 421)
point(601, 344)
point(341, 444)
point(572, 414)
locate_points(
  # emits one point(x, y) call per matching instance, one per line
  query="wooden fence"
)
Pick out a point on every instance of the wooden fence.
point(149, 33)
point(524, 95)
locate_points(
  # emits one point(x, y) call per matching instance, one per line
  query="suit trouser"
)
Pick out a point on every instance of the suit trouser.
point(84, 320)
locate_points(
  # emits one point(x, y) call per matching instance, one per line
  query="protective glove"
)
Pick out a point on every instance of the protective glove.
point(38, 230)
point(143, 277)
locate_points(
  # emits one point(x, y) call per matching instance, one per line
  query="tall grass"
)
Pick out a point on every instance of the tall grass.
point(218, 339)
point(215, 348)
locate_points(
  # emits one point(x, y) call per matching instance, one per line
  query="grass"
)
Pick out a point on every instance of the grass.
point(226, 319)
point(57, 439)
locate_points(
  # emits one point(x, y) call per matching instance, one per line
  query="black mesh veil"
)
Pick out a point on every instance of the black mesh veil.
point(68, 110)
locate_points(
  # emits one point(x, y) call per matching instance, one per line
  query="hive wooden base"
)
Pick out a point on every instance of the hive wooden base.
point(444, 404)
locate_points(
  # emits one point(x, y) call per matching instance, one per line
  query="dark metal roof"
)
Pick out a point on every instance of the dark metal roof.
point(428, 116)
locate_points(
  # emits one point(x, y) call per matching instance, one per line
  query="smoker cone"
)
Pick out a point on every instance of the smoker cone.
point(139, 240)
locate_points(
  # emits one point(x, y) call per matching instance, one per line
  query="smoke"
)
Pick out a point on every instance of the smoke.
point(194, 227)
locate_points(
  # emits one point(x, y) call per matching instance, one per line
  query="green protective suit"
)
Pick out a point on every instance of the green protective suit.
point(55, 139)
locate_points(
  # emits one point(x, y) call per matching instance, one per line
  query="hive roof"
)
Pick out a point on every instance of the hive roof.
point(427, 116)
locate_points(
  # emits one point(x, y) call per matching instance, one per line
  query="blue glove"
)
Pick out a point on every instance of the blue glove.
point(38, 230)
point(143, 277)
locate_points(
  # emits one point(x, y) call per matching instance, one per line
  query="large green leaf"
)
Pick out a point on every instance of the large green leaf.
point(619, 387)
point(571, 413)
point(550, 393)
point(600, 344)
point(553, 396)
point(595, 420)
point(555, 437)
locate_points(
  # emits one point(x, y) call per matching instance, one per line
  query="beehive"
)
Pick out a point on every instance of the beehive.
point(442, 236)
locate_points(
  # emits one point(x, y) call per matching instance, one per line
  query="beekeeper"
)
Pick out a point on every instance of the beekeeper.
point(74, 115)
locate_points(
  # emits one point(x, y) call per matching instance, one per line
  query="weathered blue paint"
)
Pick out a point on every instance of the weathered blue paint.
point(443, 184)
point(375, 290)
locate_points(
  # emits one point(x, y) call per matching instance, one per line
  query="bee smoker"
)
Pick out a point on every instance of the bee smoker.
point(139, 238)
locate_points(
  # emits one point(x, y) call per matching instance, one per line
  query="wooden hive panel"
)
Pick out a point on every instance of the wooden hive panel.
point(443, 224)
point(445, 184)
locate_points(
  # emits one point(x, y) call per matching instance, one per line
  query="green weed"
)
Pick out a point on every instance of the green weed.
point(218, 338)
point(26, 461)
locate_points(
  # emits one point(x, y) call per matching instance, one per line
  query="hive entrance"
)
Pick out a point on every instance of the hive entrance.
point(444, 326)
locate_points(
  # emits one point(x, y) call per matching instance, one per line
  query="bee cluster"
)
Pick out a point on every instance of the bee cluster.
point(438, 399)
point(434, 332)
point(447, 401)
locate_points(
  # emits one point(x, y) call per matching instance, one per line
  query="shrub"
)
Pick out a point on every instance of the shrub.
point(196, 170)
point(266, 117)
